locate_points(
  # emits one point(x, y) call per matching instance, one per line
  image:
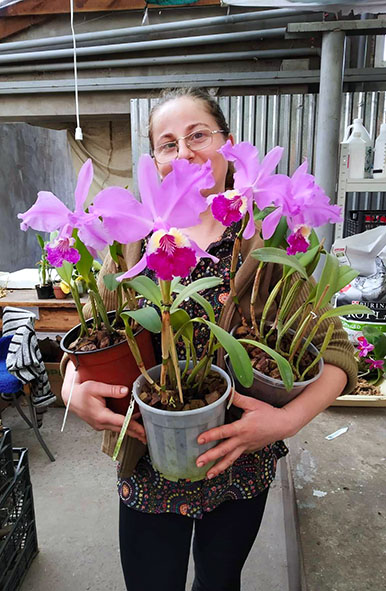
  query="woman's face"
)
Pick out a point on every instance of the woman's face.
point(179, 117)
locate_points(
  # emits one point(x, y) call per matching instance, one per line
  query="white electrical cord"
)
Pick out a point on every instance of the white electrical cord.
point(78, 130)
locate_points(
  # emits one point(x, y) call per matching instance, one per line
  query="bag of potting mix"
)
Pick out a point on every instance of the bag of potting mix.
point(366, 253)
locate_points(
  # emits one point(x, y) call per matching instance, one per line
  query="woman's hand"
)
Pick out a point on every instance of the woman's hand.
point(88, 401)
point(259, 425)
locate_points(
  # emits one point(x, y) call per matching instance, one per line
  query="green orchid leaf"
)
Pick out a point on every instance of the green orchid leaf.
point(283, 365)
point(237, 354)
point(111, 282)
point(85, 263)
point(346, 310)
point(200, 300)
point(194, 287)
point(146, 317)
point(313, 239)
point(277, 255)
point(180, 318)
point(175, 283)
point(328, 278)
point(345, 275)
point(65, 271)
point(40, 241)
point(310, 259)
point(145, 287)
point(113, 251)
point(278, 238)
point(260, 214)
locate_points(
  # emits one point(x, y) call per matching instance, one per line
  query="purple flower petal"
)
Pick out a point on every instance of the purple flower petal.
point(83, 185)
point(297, 243)
point(46, 215)
point(93, 235)
point(61, 250)
point(135, 270)
point(227, 211)
point(125, 219)
point(270, 223)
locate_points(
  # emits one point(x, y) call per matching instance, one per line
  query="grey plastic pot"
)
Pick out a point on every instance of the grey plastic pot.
point(172, 435)
point(271, 390)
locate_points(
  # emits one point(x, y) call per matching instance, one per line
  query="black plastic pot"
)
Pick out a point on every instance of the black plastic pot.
point(45, 292)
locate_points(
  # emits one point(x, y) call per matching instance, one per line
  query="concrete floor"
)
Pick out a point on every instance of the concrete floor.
point(76, 508)
point(340, 489)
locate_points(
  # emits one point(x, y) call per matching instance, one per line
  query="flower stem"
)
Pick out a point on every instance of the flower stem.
point(255, 289)
point(233, 269)
point(79, 309)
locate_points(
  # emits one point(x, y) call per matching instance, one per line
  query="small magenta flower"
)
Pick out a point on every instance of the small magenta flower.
point(62, 250)
point(170, 254)
point(375, 363)
point(298, 241)
point(228, 207)
point(364, 347)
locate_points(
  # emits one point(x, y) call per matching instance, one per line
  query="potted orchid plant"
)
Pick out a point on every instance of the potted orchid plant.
point(97, 346)
point(371, 356)
point(281, 343)
point(184, 393)
point(44, 289)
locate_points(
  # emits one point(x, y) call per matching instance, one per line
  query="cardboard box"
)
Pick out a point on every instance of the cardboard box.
point(56, 380)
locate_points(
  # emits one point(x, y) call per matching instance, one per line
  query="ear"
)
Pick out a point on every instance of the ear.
point(230, 137)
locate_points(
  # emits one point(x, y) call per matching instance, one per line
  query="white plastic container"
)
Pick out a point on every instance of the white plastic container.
point(356, 157)
point(380, 154)
point(355, 128)
point(172, 436)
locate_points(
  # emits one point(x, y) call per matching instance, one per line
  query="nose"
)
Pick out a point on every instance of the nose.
point(184, 151)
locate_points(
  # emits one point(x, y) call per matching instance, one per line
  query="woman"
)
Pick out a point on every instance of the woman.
point(156, 515)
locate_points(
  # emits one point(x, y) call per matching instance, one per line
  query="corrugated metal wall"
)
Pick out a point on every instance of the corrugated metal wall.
point(285, 120)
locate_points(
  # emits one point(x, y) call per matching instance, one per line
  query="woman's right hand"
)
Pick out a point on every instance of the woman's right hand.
point(88, 401)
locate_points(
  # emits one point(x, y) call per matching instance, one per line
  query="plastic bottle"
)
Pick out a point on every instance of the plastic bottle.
point(380, 154)
point(358, 127)
point(356, 156)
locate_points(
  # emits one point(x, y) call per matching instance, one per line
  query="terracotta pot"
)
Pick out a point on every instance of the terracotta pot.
point(113, 365)
point(59, 293)
point(45, 292)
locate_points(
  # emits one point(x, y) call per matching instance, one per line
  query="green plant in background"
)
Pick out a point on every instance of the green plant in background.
point(43, 265)
point(371, 354)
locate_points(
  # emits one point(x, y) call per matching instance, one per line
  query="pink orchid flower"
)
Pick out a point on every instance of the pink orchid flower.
point(175, 202)
point(375, 364)
point(305, 206)
point(49, 214)
point(228, 207)
point(253, 180)
point(364, 347)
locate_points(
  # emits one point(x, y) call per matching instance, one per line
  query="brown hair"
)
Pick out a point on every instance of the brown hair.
point(210, 104)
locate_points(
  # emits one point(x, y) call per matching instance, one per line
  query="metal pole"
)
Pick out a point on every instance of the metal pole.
point(145, 45)
point(330, 104)
point(228, 56)
point(148, 29)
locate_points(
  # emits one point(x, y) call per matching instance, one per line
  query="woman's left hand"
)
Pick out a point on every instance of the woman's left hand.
point(259, 425)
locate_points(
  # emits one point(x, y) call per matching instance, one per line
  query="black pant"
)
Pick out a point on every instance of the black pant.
point(155, 548)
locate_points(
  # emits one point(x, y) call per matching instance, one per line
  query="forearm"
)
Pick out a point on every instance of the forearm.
point(314, 399)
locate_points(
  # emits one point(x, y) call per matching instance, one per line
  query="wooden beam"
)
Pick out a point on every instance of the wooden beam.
point(39, 7)
point(9, 26)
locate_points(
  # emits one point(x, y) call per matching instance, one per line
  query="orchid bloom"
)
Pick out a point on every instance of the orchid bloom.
point(375, 363)
point(62, 250)
point(49, 214)
point(168, 205)
point(228, 207)
point(305, 206)
point(253, 182)
point(364, 347)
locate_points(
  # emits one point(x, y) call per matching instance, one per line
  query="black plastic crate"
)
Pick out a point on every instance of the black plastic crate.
point(360, 220)
point(7, 471)
point(18, 539)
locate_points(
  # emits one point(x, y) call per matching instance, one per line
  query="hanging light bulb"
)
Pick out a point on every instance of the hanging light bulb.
point(78, 130)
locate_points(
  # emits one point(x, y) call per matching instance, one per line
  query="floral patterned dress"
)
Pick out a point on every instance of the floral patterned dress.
point(146, 489)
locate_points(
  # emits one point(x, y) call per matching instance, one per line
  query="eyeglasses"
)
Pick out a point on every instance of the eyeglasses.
point(195, 141)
